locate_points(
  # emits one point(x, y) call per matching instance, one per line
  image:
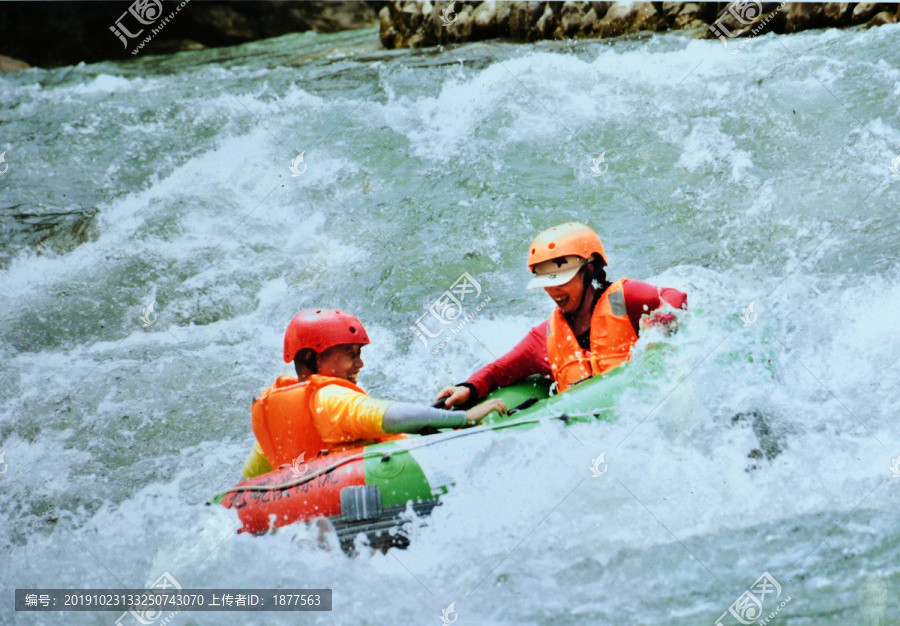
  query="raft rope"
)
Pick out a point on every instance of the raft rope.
point(385, 456)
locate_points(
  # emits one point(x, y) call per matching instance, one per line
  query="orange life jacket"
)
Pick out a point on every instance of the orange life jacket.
point(612, 337)
point(282, 418)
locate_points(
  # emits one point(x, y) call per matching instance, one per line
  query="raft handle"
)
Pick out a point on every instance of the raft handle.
point(360, 503)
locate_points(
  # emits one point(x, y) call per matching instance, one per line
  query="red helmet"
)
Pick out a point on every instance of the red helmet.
point(319, 329)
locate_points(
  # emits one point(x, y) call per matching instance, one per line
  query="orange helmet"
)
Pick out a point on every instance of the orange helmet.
point(569, 239)
point(319, 329)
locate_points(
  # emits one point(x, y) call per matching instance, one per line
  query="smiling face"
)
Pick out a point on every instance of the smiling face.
point(568, 295)
point(341, 361)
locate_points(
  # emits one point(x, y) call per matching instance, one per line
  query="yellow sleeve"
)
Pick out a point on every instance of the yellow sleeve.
point(257, 464)
point(342, 415)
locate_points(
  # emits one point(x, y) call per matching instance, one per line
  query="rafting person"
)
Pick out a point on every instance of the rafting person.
point(322, 408)
point(593, 327)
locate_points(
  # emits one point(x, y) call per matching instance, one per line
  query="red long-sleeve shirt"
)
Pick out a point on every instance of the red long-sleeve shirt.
point(530, 355)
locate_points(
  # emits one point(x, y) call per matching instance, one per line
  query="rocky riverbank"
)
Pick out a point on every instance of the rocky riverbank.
point(65, 33)
point(418, 24)
point(51, 34)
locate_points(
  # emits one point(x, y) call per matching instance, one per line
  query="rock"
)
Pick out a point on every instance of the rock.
point(8, 64)
point(546, 24)
point(880, 19)
point(413, 17)
point(838, 13)
point(865, 11)
point(623, 19)
point(805, 15)
point(601, 8)
point(689, 15)
point(571, 17)
point(484, 20)
point(521, 16)
point(503, 9)
point(671, 9)
point(615, 21)
point(773, 22)
point(33, 226)
point(738, 20)
point(771, 443)
point(80, 31)
point(416, 40)
point(588, 23)
point(461, 28)
point(389, 36)
point(406, 23)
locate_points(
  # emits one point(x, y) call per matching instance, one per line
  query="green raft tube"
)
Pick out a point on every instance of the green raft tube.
point(368, 489)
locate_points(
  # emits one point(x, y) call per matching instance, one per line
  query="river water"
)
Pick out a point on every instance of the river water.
point(755, 175)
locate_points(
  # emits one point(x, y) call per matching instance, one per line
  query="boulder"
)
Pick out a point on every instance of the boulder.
point(522, 15)
point(461, 28)
point(669, 10)
point(741, 20)
point(623, 19)
point(774, 21)
point(484, 21)
point(8, 64)
point(503, 9)
point(805, 15)
point(545, 25)
point(838, 13)
point(407, 23)
point(865, 11)
point(589, 24)
point(600, 8)
point(690, 15)
point(571, 16)
point(388, 34)
point(880, 19)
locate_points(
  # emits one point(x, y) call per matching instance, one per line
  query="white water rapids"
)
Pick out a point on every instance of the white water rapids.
point(758, 177)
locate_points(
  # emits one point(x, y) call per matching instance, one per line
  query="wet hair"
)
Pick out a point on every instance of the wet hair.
point(305, 363)
point(598, 277)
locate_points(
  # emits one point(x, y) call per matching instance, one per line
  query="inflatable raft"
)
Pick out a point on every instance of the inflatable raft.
point(368, 489)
